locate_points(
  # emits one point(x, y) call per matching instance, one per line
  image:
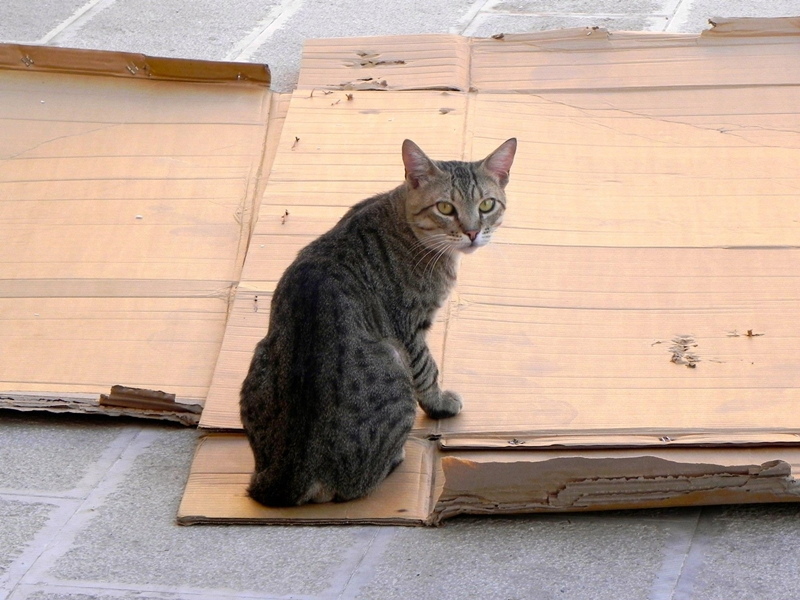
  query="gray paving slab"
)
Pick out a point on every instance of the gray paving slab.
point(203, 29)
point(510, 558)
point(29, 22)
point(135, 525)
point(493, 24)
point(694, 15)
point(27, 459)
point(21, 522)
point(744, 552)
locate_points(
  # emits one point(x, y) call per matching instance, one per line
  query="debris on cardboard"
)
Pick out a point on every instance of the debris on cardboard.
point(651, 213)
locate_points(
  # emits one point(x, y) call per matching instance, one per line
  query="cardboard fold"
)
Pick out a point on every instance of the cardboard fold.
point(127, 192)
point(217, 491)
point(628, 339)
point(434, 485)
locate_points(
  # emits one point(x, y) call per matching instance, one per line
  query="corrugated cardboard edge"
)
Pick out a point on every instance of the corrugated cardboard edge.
point(89, 404)
point(621, 438)
point(752, 27)
point(502, 482)
point(126, 64)
point(494, 483)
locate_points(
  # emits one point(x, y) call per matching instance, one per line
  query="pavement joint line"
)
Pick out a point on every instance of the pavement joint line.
point(107, 458)
point(77, 20)
point(579, 15)
point(94, 473)
point(115, 590)
point(364, 571)
point(468, 17)
point(680, 17)
point(62, 511)
point(695, 555)
point(85, 510)
point(276, 19)
point(675, 551)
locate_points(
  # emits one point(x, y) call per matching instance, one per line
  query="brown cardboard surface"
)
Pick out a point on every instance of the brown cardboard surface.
point(217, 490)
point(127, 187)
point(641, 298)
point(329, 158)
point(431, 485)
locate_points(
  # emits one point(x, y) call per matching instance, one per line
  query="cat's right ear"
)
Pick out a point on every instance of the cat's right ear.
point(418, 166)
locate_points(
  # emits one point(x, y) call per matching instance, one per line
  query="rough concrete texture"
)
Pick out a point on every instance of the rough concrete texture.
point(523, 558)
point(28, 461)
point(694, 16)
point(204, 29)
point(136, 523)
point(494, 24)
point(87, 505)
point(28, 22)
point(21, 522)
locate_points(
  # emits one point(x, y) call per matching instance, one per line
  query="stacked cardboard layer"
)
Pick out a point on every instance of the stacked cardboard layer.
point(127, 192)
point(630, 338)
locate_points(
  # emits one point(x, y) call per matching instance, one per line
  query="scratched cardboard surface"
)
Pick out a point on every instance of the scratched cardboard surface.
point(644, 290)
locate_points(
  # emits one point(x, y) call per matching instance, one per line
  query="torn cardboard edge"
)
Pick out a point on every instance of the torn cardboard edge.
point(186, 413)
point(617, 438)
point(509, 63)
point(152, 400)
point(432, 485)
point(127, 64)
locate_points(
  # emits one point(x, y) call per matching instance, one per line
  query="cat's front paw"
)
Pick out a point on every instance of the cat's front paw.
point(449, 405)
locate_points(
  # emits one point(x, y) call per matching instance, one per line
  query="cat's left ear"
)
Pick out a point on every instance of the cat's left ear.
point(498, 163)
point(419, 167)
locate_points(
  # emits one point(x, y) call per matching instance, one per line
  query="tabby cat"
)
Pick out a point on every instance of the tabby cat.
point(330, 397)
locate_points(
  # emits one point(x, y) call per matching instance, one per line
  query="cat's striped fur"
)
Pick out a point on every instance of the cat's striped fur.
point(331, 393)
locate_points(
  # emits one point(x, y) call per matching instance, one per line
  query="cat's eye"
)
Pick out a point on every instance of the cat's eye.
point(445, 208)
point(486, 205)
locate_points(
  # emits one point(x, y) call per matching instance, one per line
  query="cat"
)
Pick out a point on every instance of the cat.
point(331, 393)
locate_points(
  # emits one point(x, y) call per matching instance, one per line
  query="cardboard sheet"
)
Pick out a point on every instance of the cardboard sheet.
point(639, 307)
point(127, 191)
point(431, 486)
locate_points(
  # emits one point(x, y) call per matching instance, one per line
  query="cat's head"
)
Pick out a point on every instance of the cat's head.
point(454, 205)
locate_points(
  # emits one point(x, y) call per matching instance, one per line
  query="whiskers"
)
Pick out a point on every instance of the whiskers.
point(432, 249)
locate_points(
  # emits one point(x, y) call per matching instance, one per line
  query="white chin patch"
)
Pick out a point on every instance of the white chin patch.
point(469, 249)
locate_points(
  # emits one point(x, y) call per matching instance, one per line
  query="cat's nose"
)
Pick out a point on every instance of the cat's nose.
point(472, 234)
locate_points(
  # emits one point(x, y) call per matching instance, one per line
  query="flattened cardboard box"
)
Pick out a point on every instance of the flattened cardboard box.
point(630, 337)
point(127, 193)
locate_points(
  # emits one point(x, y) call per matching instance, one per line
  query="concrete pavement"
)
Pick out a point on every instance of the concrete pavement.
point(87, 504)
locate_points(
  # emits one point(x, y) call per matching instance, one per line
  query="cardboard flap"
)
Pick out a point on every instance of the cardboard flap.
point(752, 27)
point(555, 481)
point(126, 198)
point(217, 490)
point(128, 65)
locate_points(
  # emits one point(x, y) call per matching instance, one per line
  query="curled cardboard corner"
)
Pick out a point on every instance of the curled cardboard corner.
point(60, 402)
point(488, 483)
point(128, 397)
